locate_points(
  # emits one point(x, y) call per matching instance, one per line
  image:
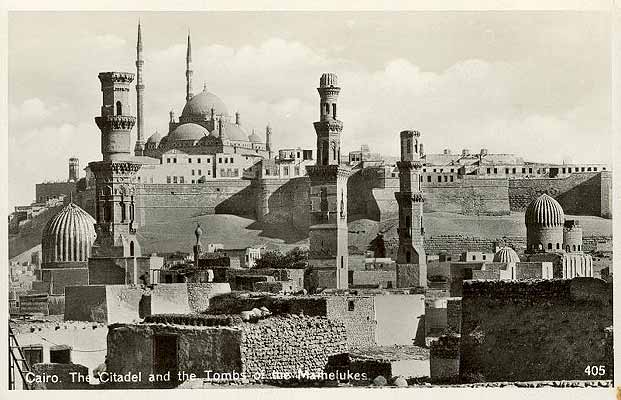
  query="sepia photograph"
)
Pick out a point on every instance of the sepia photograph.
point(310, 199)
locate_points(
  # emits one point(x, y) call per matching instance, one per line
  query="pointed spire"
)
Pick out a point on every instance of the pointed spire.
point(188, 70)
point(139, 43)
point(204, 86)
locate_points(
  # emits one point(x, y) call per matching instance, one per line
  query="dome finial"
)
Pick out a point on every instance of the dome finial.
point(198, 232)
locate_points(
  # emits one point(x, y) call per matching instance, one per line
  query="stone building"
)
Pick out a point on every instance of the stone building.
point(223, 348)
point(550, 237)
point(328, 253)
point(411, 258)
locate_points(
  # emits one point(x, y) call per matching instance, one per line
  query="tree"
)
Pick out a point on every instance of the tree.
point(295, 258)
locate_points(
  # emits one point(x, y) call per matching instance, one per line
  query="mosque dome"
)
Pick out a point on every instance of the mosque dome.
point(189, 131)
point(506, 255)
point(544, 211)
point(68, 236)
point(235, 132)
point(155, 138)
point(254, 138)
point(202, 103)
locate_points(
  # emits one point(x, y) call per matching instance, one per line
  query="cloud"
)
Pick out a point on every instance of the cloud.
point(472, 104)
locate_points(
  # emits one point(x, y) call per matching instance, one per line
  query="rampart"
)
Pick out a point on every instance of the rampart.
point(536, 330)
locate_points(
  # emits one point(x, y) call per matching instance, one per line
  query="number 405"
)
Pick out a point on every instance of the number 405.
point(595, 370)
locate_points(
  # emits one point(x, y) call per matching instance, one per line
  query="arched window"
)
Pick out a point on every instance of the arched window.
point(574, 247)
point(119, 108)
point(558, 246)
point(549, 246)
point(567, 248)
point(579, 248)
point(540, 246)
point(334, 111)
point(131, 248)
point(408, 226)
point(327, 108)
point(408, 257)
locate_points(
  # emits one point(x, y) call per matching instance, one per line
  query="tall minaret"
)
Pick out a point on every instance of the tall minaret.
point(188, 71)
point(139, 148)
point(268, 140)
point(328, 255)
point(115, 176)
point(411, 258)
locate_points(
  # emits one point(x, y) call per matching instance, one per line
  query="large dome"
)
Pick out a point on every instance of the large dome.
point(544, 211)
point(155, 138)
point(235, 132)
point(202, 103)
point(506, 255)
point(68, 236)
point(189, 131)
point(254, 138)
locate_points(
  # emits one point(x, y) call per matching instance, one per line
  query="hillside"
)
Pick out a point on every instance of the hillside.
point(168, 231)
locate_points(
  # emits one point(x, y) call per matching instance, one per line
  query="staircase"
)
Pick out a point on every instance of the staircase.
point(17, 361)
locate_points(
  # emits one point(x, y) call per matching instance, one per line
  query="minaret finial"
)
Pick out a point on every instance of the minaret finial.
point(188, 70)
point(204, 86)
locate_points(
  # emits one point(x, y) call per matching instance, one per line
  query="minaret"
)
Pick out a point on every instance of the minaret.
point(411, 258)
point(198, 249)
point(188, 71)
point(328, 256)
point(114, 176)
point(139, 148)
point(268, 140)
point(74, 169)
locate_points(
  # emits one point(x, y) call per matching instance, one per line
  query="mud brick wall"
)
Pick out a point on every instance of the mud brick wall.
point(358, 315)
point(535, 330)
point(235, 303)
point(290, 343)
point(63, 372)
point(444, 359)
point(453, 314)
point(85, 303)
point(579, 194)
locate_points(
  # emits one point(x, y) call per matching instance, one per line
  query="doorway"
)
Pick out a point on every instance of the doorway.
point(165, 359)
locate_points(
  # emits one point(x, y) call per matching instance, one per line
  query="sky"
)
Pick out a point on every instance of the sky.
point(536, 84)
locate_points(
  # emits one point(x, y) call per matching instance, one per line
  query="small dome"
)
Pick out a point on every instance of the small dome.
point(68, 236)
point(202, 103)
point(254, 138)
point(155, 138)
point(189, 131)
point(506, 255)
point(544, 211)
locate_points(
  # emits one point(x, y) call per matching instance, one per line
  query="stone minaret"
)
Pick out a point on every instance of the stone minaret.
point(268, 140)
point(139, 148)
point(188, 71)
point(328, 256)
point(74, 169)
point(411, 258)
point(114, 176)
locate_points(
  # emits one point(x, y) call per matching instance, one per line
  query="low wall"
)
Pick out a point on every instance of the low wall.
point(469, 196)
point(535, 330)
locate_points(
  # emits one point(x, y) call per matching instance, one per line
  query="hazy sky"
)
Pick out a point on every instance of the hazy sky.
point(532, 83)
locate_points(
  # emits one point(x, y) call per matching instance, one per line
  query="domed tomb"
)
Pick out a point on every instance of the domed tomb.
point(544, 219)
point(68, 236)
point(506, 255)
point(189, 131)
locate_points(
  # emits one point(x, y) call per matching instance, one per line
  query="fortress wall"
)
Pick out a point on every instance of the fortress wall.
point(535, 330)
point(283, 201)
point(469, 196)
point(235, 196)
point(583, 193)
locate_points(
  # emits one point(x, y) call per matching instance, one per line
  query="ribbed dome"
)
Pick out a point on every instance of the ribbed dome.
point(155, 138)
point(544, 211)
point(189, 131)
point(202, 103)
point(68, 236)
point(506, 255)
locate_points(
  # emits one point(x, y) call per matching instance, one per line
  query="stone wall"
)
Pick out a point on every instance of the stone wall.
point(469, 196)
point(535, 330)
point(283, 201)
point(358, 315)
point(288, 344)
point(584, 193)
point(373, 278)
